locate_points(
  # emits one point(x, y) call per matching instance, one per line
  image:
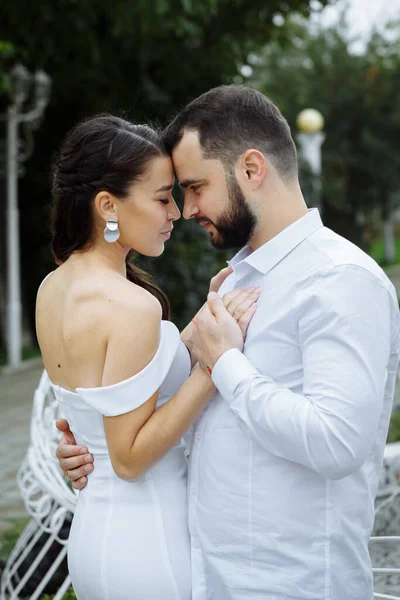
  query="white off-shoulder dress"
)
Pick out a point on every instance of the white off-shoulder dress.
point(130, 541)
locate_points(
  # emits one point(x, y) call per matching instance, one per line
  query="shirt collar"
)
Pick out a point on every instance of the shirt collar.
point(272, 252)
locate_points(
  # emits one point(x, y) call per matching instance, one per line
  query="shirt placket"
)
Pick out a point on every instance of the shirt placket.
point(198, 574)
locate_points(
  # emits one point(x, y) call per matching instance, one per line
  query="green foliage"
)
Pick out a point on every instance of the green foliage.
point(27, 353)
point(377, 251)
point(70, 595)
point(142, 59)
point(358, 94)
point(6, 54)
point(394, 428)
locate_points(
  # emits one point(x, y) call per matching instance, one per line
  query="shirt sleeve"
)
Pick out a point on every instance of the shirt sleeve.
point(344, 335)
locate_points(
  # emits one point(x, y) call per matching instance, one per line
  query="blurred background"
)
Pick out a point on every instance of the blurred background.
point(144, 59)
point(332, 67)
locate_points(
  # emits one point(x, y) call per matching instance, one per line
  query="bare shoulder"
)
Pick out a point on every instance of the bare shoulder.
point(133, 318)
point(126, 300)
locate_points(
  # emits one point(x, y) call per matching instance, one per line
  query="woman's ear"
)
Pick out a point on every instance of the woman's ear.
point(253, 167)
point(105, 206)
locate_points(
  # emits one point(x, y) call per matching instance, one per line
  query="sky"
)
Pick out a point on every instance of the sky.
point(363, 15)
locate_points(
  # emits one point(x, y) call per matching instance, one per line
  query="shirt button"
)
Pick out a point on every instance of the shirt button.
point(197, 437)
point(192, 490)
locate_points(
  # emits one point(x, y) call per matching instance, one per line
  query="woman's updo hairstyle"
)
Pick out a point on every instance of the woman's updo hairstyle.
point(104, 153)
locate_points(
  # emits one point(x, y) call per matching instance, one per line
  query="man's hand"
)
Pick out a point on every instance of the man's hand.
point(75, 461)
point(219, 279)
point(232, 301)
point(216, 331)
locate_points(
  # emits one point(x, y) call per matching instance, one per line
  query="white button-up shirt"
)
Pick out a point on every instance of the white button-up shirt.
point(286, 459)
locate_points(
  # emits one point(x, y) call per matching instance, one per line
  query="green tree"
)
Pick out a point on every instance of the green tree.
point(6, 54)
point(144, 59)
point(358, 95)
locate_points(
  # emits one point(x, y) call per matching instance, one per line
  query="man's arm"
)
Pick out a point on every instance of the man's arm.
point(344, 337)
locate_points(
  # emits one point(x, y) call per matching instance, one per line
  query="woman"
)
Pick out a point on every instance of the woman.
point(118, 366)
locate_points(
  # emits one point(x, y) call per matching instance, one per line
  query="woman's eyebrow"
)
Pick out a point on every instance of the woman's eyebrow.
point(165, 188)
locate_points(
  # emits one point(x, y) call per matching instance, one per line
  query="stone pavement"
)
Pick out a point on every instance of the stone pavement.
point(16, 397)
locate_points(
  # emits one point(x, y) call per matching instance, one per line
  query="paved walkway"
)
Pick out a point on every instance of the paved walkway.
point(16, 396)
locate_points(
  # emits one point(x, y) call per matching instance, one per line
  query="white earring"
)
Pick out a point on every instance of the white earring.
point(111, 232)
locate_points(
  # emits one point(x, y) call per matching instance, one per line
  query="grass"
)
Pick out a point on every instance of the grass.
point(377, 252)
point(10, 536)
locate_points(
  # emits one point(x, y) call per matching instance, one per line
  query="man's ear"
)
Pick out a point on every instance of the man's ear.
point(253, 167)
point(105, 206)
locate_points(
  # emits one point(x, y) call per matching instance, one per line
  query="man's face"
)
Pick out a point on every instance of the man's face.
point(214, 200)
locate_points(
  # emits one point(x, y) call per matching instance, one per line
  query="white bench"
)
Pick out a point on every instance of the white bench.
point(49, 501)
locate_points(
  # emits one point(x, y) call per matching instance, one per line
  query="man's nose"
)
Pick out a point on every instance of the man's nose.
point(190, 210)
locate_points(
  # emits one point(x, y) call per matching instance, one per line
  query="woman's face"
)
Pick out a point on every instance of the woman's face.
point(146, 215)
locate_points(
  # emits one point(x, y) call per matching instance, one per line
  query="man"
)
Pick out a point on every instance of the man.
point(285, 461)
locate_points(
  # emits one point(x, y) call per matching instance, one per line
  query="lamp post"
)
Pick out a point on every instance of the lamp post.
point(311, 137)
point(21, 82)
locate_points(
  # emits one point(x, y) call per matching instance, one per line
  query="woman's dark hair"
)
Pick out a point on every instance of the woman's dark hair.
point(230, 119)
point(104, 153)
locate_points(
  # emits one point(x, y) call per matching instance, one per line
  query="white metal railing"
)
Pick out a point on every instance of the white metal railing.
point(389, 490)
point(49, 501)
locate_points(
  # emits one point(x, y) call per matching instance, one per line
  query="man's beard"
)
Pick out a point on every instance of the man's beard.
point(236, 225)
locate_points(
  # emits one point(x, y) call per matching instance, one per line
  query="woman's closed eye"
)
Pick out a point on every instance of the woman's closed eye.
point(165, 201)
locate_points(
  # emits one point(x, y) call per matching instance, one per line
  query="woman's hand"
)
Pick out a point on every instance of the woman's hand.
point(239, 302)
point(216, 331)
point(236, 303)
point(219, 279)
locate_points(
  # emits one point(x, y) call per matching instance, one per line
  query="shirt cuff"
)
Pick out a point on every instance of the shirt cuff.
point(229, 371)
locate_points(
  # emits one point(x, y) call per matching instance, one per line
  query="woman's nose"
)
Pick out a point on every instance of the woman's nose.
point(175, 213)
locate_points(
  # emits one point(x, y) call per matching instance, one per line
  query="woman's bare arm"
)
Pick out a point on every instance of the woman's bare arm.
point(136, 440)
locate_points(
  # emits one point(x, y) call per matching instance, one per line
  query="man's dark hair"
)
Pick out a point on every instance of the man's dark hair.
point(230, 119)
